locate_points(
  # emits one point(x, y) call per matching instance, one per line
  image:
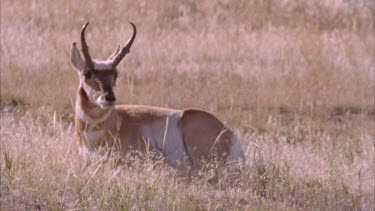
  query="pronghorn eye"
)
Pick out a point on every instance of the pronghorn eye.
point(87, 75)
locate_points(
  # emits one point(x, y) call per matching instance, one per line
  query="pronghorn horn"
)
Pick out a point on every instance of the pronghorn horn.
point(85, 48)
point(113, 54)
point(126, 49)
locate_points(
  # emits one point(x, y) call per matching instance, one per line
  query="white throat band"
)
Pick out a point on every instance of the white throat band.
point(87, 119)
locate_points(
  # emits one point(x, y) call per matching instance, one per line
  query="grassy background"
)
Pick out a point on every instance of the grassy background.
point(295, 79)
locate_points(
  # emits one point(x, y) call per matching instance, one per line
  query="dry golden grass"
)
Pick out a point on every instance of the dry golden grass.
point(295, 79)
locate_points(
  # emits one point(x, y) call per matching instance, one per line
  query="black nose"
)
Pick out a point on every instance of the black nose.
point(110, 98)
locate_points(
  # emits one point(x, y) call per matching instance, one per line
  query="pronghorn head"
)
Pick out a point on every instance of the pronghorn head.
point(98, 77)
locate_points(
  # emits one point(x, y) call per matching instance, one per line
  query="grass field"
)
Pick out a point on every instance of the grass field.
point(294, 79)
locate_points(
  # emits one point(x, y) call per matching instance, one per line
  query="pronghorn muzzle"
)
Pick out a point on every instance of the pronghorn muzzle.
point(110, 97)
point(107, 98)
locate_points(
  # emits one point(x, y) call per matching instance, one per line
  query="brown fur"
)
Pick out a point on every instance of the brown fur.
point(204, 135)
point(198, 133)
point(134, 117)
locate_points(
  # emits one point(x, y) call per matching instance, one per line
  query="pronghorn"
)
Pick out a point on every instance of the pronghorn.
point(183, 137)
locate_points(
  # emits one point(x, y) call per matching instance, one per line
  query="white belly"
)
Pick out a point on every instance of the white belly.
point(165, 138)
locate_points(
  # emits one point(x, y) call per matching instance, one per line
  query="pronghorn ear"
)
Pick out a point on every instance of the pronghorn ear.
point(75, 58)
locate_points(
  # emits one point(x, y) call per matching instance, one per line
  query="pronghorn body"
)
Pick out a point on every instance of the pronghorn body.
point(181, 136)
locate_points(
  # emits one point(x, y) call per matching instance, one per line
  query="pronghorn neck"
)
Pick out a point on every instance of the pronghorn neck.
point(88, 112)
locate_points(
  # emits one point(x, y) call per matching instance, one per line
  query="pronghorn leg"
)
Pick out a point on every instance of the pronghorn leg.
point(205, 137)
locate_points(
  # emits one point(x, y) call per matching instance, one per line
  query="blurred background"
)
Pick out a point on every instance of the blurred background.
point(293, 79)
point(292, 56)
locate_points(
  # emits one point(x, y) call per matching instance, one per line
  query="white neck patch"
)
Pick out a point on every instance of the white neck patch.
point(87, 119)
